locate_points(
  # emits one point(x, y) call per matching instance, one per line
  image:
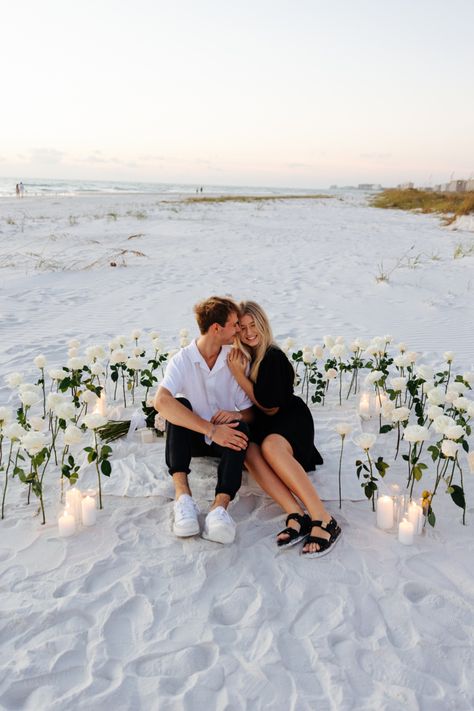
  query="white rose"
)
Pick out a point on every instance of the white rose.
point(469, 377)
point(470, 409)
point(338, 350)
point(94, 420)
point(461, 404)
point(154, 334)
point(137, 351)
point(371, 350)
point(118, 357)
point(40, 361)
point(365, 440)
point(451, 396)
point(401, 347)
point(72, 435)
point(343, 428)
point(134, 363)
point(400, 414)
point(416, 433)
point(65, 410)
point(14, 431)
point(459, 387)
point(362, 342)
point(328, 341)
point(123, 340)
point(183, 342)
point(425, 372)
point(428, 385)
point(114, 344)
point(6, 416)
point(73, 343)
point(160, 422)
point(75, 363)
point(30, 387)
point(374, 377)
point(411, 356)
point(387, 408)
point(73, 352)
point(37, 423)
point(95, 353)
point(437, 396)
point(57, 374)
point(434, 411)
point(449, 448)
point(13, 380)
point(442, 422)
point(399, 384)
point(448, 356)
point(354, 346)
point(454, 432)
point(307, 357)
point(33, 442)
point(388, 338)
point(339, 340)
point(88, 397)
point(30, 398)
point(330, 374)
point(156, 343)
point(401, 361)
point(318, 351)
point(184, 333)
point(97, 368)
point(135, 334)
point(470, 462)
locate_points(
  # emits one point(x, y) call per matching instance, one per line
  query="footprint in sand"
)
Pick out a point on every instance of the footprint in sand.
point(321, 616)
point(238, 607)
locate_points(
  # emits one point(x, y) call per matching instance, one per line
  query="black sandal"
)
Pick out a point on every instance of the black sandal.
point(325, 544)
point(294, 536)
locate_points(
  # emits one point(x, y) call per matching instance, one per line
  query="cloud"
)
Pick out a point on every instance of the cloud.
point(49, 156)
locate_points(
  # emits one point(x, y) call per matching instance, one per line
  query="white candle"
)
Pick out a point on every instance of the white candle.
point(385, 512)
point(102, 404)
point(405, 532)
point(364, 406)
point(66, 524)
point(147, 436)
point(74, 502)
point(89, 511)
point(415, 515)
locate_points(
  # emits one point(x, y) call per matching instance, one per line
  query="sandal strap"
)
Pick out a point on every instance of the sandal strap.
point(331, 526)
point(323, 543)
point(295, 517)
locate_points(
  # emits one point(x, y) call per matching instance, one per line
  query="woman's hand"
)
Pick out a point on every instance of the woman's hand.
point(222, 417)
point(227, 436)
point(237, 362)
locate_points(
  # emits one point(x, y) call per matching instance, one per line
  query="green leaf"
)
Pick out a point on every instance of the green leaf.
point(431, 518)
point(465, 445)
point(105, 451)
point(385, 428)
point(106, 467)
point(434, 452)
point(71, 460)
point(457, 496)
point(92, 456)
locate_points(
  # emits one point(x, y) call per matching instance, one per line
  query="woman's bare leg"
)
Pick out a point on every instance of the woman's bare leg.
point(272, 484)
point(278, 452)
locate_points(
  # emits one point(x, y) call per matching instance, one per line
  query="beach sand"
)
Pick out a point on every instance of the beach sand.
point(125, 616)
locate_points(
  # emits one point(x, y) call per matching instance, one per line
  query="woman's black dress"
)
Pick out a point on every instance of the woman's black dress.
point(274, 388)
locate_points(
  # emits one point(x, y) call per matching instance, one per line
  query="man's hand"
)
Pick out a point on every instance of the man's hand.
point(228, 436)
point(222, 417)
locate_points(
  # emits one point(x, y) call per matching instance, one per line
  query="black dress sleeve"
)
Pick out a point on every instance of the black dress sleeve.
point(274, 385)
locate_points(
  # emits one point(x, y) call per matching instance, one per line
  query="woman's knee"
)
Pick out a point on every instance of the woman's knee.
point(274, 444)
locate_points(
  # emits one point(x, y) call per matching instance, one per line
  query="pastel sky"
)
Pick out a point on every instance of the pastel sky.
point(297, 93)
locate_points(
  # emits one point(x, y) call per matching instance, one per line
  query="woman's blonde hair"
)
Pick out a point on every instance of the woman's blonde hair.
point(250, 308)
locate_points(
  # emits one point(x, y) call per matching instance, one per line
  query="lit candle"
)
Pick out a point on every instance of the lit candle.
point(66, 524)
point(405, 532)
point(385, 512)
point(147, 436)
point(364, 406)
point(74, 502)
point(89, 511)
point(415, 515)
point(102, 404)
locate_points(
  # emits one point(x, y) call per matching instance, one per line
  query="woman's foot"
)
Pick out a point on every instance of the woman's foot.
point(297, 528)
point(321, 537)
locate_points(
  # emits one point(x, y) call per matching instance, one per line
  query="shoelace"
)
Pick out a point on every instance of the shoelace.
point(186, 509)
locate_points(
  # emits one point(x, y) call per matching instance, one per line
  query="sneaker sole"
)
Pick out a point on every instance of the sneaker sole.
point(219, 535)
point(182, 533)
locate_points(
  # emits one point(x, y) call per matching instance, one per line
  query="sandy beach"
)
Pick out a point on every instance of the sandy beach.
point(123, 615)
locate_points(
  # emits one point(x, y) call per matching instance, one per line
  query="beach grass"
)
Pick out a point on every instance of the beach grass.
point(251, 198)
point(452, 205)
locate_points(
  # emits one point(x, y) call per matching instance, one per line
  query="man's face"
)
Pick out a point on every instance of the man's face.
point(228, 332)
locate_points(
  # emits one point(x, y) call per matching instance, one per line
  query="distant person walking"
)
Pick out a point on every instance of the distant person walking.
point(21, 188)
point(17, 189)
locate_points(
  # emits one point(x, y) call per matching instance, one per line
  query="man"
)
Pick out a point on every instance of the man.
point(209, 420)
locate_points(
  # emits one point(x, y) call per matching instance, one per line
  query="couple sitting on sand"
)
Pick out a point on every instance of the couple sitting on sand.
point(237, 404)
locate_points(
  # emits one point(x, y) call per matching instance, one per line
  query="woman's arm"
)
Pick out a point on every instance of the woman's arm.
point(237, 365)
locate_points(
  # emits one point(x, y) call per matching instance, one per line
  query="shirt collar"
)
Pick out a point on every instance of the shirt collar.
point(196, 357)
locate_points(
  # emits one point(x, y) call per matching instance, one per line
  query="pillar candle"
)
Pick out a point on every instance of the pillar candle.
point(147, 436)
point(102, 404)
point(89, 511)
point(364, 406)
point(415, 515)
point(405, 532)
point(74, 501)
point(385, 512)
point(66, 524)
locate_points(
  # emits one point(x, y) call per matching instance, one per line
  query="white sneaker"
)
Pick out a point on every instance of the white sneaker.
point(219, 526)
point(185, 517)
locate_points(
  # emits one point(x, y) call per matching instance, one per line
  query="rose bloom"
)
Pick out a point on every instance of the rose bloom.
point(53, 400)
point(425, 372)
point(135, 334)
point(33, 442)
point(30, 387)
point(434, 411)
point(330, 374)
point(29, 398)
point(343, 428)
point(157, 344)
point(57, 374)
point(95, 353)
point(65, 410)
point(388, 338)
point(470, 409)
point(72, 435)
point(416, 433)
point(137, 351)
point(13, 380)
point(94, 420)
point(88, 397)
point(37, 423)
point(329, 341)
point(338, 350)
point(114, 344)
point(73, 343)
point(14, 431)
point(160, 422)
point(402, 347)
point(451, 396)
point(123, 340)
point(365, 440)
point(470, 462)
point(73, 352)
point(442, 422)
point(40, 361)
point(6, 416)
point(449, 448)
point(118, 357)
point(448, 356)
point(97, 368)
point(387, 408)
point(454, 432)
point(183, 342)
point(400, 414)
point(318, 351)
point(411, 356)
point(307, 357)
point(401, 361)
point(373, 377)
point(437, 396)
point(354, 346)
point(184, 333)
point(154, 334)
point(461, 404)
point(399, 384)
point(372, 350)
point(75, 363)
point(134, 363)
point(469, 377)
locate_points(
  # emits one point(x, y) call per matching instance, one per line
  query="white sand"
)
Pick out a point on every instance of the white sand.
point(125, 616)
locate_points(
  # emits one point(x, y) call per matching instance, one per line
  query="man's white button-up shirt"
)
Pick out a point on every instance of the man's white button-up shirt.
point(208, 391)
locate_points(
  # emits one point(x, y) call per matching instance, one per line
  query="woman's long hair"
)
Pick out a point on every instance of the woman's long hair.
point(252, 309)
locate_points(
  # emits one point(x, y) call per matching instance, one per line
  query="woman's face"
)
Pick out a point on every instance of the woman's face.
point(248, 331)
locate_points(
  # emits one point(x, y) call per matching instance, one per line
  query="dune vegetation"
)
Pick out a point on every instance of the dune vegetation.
point(452, 205)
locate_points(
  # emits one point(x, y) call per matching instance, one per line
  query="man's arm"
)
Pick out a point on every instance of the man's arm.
point(175, 412)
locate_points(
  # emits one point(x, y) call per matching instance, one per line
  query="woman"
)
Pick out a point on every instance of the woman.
point(282, 448)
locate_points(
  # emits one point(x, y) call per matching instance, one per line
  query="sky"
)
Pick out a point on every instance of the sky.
point(294, 93)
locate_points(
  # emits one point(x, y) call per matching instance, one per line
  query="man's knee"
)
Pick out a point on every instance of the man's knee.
point(243, 427)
